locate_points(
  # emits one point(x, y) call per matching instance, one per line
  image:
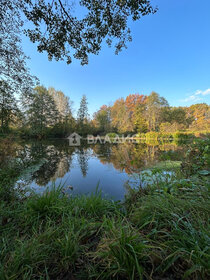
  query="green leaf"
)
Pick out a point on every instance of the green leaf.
point(204, 172)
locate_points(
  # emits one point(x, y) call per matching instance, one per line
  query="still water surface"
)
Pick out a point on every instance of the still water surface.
point(82, 169)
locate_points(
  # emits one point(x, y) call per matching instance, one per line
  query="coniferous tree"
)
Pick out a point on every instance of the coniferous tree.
point(140, 120)
point(83, 161)
point(82, 114)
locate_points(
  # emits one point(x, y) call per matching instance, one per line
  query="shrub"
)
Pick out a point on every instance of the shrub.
point(197, 158)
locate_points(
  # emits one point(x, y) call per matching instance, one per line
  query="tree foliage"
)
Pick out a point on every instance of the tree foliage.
point(66, 122)
point(82, 114)
point(13, 67)
point(42, 112)
point(15, 77)
point(140, 114)
point(154, 107)
point(199, 114)
point(103, 118)
point(49, 112)
point(62, 102)
point(8, 106)
point(58, 30)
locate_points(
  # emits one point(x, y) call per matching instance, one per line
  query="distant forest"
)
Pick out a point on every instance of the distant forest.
point(43, 112)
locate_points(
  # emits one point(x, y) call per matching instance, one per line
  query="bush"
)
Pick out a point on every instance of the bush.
point(197, 158)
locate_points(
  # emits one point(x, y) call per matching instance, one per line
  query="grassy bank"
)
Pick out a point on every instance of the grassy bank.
point(159, 232)
point(175, 136)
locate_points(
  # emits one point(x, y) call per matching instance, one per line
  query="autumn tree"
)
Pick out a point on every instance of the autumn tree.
point(200, 116)
point(154, 106)
point(103, 119)
point(119, 116)
point(132, 101)
point(63, 104)
point(135, 107)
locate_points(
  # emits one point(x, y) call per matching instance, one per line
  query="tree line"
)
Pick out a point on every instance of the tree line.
point(35, 111)
point(44, 112)
point(141, 114)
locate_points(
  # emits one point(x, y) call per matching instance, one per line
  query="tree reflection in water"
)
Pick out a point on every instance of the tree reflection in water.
point(55, 157)
point(83, 157)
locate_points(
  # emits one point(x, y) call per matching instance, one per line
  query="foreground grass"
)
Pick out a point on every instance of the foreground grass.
point(156, 234)
point(159, 232)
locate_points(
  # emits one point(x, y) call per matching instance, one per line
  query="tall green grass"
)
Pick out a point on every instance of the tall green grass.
point(159, 232)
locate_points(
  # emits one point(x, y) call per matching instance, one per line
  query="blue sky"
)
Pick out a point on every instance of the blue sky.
point(169, 54)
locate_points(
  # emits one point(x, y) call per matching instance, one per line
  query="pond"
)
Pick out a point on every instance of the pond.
point(108, 167)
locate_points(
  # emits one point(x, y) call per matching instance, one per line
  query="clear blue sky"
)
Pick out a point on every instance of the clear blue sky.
point(169, 54)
